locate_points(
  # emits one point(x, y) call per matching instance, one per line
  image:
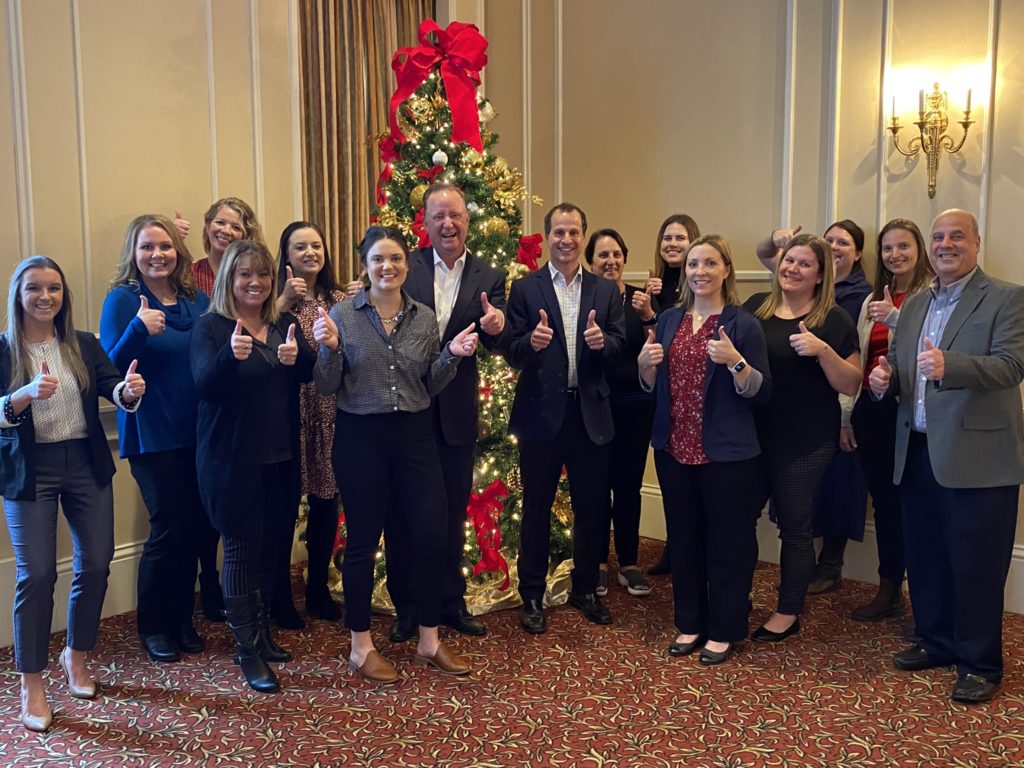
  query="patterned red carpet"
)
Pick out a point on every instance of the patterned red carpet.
point(580, 695)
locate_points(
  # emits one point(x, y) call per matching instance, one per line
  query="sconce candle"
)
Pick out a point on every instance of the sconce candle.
point(968, 100)
point(920, 101)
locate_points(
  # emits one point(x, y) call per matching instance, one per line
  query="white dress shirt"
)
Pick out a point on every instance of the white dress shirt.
point(568, 295)
point(446, 289)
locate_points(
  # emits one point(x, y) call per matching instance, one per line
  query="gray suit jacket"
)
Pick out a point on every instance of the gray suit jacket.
point(975, 424)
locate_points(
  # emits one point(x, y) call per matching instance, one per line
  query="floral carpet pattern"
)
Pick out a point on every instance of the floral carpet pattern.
point(581, 695)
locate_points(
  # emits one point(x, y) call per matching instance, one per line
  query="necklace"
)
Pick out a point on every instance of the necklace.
point(394, 318)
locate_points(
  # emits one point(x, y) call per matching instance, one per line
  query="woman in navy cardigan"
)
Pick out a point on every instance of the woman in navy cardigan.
point(708, 365)
point(149, 315)
point(53, 448)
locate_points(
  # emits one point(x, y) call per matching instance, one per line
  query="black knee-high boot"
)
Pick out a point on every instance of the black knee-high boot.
point(321, 530)
point(269, 649)
point(243, 620)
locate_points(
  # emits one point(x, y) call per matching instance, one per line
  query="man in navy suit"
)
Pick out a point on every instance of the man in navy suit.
point(957, 362)
point(567, 328)
point(461, 289)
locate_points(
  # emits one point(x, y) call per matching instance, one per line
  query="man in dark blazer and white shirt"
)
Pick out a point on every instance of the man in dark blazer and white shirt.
point(461, 289)
point(567, 327)
point(956, 362)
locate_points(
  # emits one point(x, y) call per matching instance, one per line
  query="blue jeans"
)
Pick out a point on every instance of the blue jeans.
point(63, 473)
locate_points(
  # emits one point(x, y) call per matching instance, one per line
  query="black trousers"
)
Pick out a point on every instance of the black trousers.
point(959, 547)
point(540, 465)
point(626, 464)
point(389, 474)
point(874, 425)
point(167, 568)
point(457, 474)
point(711, 511)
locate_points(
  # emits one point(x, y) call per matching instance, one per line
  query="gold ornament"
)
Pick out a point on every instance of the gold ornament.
point(514, 481)
point(406, 126)
point(495, 225)
point(513, 272)
point(562, 508)
point(416, 196)
point(472, 159)
point(421, 110)
point(387, 217)
point(500, 165)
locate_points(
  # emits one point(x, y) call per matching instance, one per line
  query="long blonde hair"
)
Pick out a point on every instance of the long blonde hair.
point(223, 301)
point(824, 292)
point(21, 366)
point(127, 272)
point(251, 229)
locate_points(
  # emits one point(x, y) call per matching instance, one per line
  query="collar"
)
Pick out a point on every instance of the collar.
point(556, 275)
point(459, 261)
point(362, 301)
point(955, 288)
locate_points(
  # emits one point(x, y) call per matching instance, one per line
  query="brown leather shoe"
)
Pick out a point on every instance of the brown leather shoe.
point(376, 669)
point(445, 661)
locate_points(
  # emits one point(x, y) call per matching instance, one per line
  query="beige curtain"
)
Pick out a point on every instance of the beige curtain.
point(346, 48)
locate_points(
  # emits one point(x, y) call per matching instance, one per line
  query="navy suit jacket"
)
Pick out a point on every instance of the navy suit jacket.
point(728, 431)
point(539, 406)
point(457, 403)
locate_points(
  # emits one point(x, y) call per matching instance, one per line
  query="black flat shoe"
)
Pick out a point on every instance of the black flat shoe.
point(160, 648)
point(187, 639)
point(710, 658)
point(464, 623)
point(403, 629)
point(664, 565)
point(764, 635)
point(916, 658)
point(824, 584)
point(591, 607)
point(532, 618)
point(973, 689)
point(684, 649)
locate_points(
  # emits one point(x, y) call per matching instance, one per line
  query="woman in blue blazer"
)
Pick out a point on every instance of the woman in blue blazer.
point(707, 363)
point(54, 449)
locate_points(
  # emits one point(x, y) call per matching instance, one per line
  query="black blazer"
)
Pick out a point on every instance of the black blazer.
point(457, 403)
point(227, 431)
point(539, 405)
point(17, 444)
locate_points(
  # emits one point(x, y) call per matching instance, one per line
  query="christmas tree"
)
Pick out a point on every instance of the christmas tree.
point(439, 133)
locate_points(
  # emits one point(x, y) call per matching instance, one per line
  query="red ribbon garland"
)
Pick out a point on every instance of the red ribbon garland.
point(483, 510)
point(529, 251)
point(420, 230)
point(460, 51)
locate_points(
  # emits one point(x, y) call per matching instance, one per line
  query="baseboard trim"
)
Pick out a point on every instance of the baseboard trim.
point(861, 558)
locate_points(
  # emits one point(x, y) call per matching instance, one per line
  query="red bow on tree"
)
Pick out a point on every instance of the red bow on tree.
point(420, 230)
point(430, 174)
point(529, 250)
point(460, 52)
point(483, 510)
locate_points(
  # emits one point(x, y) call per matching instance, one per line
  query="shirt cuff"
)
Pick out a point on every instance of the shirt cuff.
point(131, 407)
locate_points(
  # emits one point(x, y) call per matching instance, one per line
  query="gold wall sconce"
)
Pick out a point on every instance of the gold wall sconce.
point(932, 124)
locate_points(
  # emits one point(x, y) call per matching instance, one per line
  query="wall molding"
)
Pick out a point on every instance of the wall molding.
point(559, 91)
point(257, 107)
point(83, 178)
point(296, 87)
point(212, 96)
point(527, 112)
point(789, 116)
point(22, 153)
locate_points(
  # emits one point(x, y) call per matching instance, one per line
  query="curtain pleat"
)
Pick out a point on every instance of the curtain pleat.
point(346, 80)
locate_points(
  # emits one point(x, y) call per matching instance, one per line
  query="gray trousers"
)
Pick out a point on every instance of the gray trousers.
point(63, 473)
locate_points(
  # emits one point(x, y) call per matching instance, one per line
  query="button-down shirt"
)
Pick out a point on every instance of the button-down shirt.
point(372, 372)
point(446, 288)
point(940, 309)
point(202, 276)
point(568, 295)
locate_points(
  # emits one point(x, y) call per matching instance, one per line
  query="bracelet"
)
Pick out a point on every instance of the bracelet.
point(10, 416)
point(652, 321)
point(121, 401)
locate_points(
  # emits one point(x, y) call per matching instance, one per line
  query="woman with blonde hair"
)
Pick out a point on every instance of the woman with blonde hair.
point(54, 450)
point(813, 354)
point(248, 361)
point(148, 316)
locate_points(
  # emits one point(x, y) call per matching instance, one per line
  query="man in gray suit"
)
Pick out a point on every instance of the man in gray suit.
point(957, 362)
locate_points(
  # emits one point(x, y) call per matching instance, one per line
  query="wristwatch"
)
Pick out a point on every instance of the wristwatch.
point(738, 367)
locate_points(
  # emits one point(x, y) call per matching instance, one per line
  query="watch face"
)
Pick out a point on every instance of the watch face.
point(739, 367)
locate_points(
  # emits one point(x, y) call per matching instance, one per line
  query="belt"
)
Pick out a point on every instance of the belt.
point(573, 393)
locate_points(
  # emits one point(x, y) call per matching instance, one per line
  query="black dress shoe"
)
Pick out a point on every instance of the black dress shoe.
point(710, 658)
point(532, 618)
point(973, 689)
point(403, 629)
point(187, 639)
point(764, 635)
point(160, 648)
point(684, 649)
point(916, 658)
point(664, 565)
point(464, 623)
point(591, 607)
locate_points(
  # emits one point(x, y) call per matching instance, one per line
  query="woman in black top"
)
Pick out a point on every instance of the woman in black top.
point(813, 354)
point(247, 363)
point(632, 412)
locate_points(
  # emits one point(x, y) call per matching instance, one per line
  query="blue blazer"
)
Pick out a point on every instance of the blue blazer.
point(539, 406)
point(729, 433)
point(17, 444)
point(457, 402)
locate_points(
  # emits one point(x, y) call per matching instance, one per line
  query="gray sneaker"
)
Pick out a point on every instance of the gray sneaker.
point(634, 582)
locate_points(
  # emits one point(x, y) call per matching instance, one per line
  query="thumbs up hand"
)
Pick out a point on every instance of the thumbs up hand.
point(241, 342)
point(181, 223)
point(593, 335)
point(464, 343)
point(931, 363)
point(294, 287)
point(43, 386)
point(153, 319)
point(805, 343)
point(492, 322)
point(325, 332)
point(288, 352)
point(542, 334)
point(134, 384)
point(653, 286)
point(722, 351)
point(651, 353)
point(880, 377)
point(881, 309)
point(353, 287)
point(641, 303)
